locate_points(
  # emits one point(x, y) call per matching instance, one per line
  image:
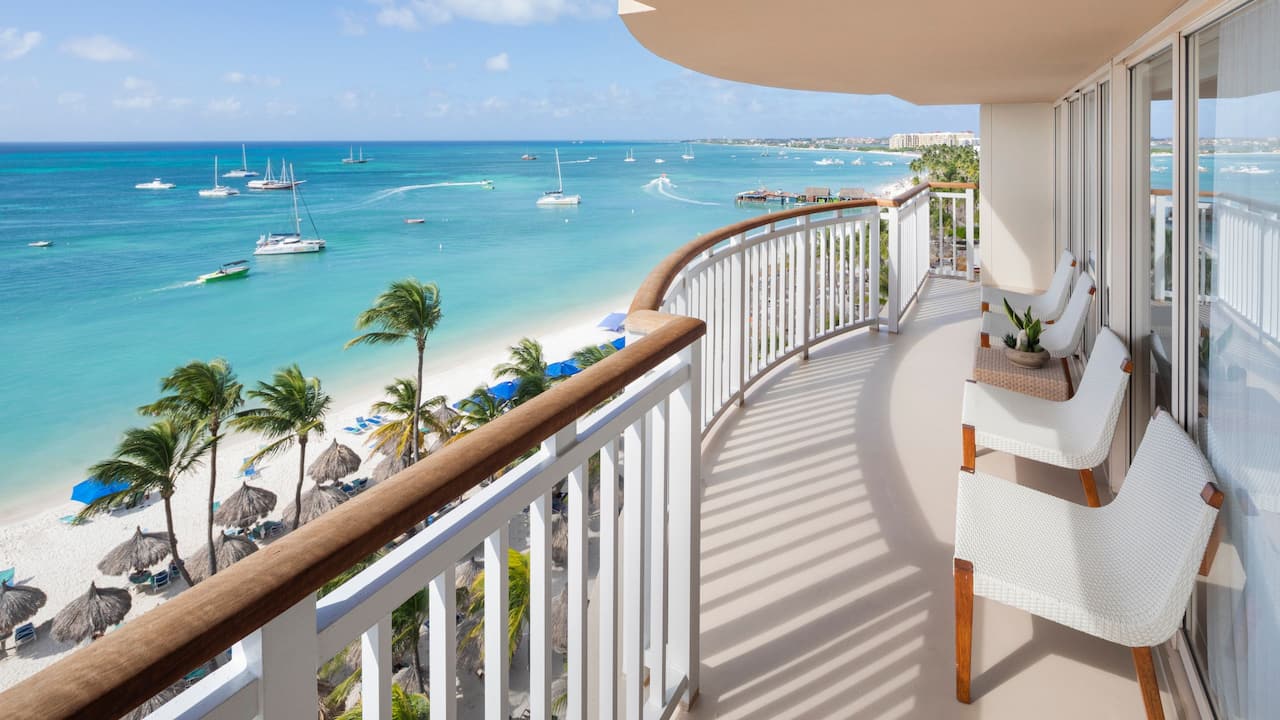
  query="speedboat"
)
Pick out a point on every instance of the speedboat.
point(527, 156)
point(414, 221)
point(217, 190)
point(155, 184)
point(659, 161)
point(40, 243)
point(486, 184)
point(228, 271)
point(824, 161)
point(557, 196)
point(243, 170)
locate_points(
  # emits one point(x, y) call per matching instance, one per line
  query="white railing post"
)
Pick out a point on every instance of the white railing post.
point(576, 657)
point(895, 269)
point(375, 671)
point(636, 458)
point(540, 664)
point(497, 704)
point(283, 654)
point(970, 242)
point(685, 487)
point(737, 303)
point(443, 644)
point(657, 654)
point(607, 581)
point(806, 286)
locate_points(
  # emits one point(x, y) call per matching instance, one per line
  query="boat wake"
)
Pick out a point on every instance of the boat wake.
point(663, 186)
point(384, 194)
point(575, 162)
point(178, 286)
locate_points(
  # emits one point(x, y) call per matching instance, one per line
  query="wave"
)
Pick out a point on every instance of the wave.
point(384, 194)
point(663, 186)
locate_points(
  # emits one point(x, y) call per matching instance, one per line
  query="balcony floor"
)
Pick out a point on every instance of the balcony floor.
point(827, 528)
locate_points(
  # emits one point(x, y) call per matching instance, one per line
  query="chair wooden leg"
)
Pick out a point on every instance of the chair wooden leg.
point(1147, 681)
point(964, 627)
point(1090, 488)
point(969, 457)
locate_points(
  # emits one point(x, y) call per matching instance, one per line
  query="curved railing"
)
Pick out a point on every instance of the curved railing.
point(746, 298)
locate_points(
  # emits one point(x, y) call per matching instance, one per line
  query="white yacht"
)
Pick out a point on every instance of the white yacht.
point(271, 182)
point(557, 196)
point(630, 156)
point(289, 243)
point(688, 153)
point(659, 161)
point(155, 184)
point(243, 171)
point(824, 161)
point(218, 190)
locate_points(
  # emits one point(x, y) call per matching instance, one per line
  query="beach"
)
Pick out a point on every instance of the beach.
point(61, 559)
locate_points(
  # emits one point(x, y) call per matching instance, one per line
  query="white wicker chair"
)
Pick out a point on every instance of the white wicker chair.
point(1060, 337)
point(1122, 572)
point(1074, 434)
point(1048, 304)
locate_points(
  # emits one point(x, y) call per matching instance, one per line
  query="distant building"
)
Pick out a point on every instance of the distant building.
point(853, 194)
point(902, 141)
point(816, 194)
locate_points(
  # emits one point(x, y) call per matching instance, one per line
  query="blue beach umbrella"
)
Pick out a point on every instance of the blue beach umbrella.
point(613, 322)
point(564, 368)
point(619, 343)
point(93, 489)
point(504, 391)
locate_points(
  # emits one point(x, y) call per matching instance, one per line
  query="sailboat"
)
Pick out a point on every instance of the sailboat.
point(218, 190)
point(557, 196)
point(271, 182)
point(351, 158)
point(630, 156)
point(289, 243)
point(688, 153)
point(244, 170)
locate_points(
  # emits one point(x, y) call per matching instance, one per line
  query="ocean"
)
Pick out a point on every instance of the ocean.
point(89, 325)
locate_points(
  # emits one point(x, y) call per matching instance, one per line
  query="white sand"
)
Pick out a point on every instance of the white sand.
point(61, 560)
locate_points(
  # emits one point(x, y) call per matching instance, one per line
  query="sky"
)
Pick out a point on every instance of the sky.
point(87, 70)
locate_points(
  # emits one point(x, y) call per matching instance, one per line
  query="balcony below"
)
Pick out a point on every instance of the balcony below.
point(827, 525)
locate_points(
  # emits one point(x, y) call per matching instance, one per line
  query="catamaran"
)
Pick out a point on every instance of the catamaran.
point(243, 170)
point(217, 190)
point(155, 184)
point(289, 243)
point(688, 153)
point(557, 196)
point(271, 182)
point(351, 158)
point(228, 271)
point(630, 156)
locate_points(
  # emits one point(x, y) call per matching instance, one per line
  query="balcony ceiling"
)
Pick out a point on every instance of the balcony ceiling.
point(927, 52)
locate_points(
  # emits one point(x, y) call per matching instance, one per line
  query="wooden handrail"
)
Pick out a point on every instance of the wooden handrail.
point(117, 673)
point(658, 281)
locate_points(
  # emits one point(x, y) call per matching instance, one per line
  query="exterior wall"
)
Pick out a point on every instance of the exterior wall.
point(1016, 181)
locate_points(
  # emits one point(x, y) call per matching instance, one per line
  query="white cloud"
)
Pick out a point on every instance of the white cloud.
point(224, 106)
point(281, 109)
point(412, 13)
point(180, 103)
point(72, 99)
point(494, 104)
point(498, 63)
point(136, 102)
point(14, 43)
point(350, 25)
point(98, 48)
point(136, 84)
point(235, 77)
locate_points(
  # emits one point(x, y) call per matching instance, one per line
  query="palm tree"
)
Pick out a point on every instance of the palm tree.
point(407, 310)
point(150, 459)
point(478, 409)
point(202, 395)
point(589, 355)
point(293, 407)
point(394, 434)
point(517, 601)
point(406, 632)
point(528, 369)
point(404, 706)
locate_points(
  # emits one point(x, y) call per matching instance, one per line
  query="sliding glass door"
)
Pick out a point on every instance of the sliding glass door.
point(1234, 363)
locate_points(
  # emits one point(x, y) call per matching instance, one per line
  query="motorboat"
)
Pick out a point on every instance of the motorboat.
point(824, 161)
point(41, 243)
point(217, 190)
point(414, 221)
point(243, 171)
point(557, 196)
point(527, 156)
point(659, 161)
point(228, 271)
point(155, 184)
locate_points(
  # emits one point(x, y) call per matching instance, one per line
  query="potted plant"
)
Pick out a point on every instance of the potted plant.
point(1024, 348)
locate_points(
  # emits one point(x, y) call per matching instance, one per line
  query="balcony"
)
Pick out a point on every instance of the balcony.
point(775, 459)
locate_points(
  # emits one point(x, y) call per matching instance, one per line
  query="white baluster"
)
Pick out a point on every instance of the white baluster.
point(577, 649)
point(607, 582)
point(497, 704)
point(283, 654)
point(895, 253)
point(375, 671)
point(738, 300)
point(443, 644)
point(971, 242)
point(657, 654)
point(540, 661)
point(633, 600)
point(685, 486)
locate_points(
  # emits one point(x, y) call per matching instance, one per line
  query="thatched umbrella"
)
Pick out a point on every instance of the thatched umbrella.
point(315, 502)
point(245, 506)
point(466, 573)
point(154, 702)
point(389, 466)
point(336, 462)
point(559, 541)
point(91, 614)
point(228, 550)
point(136, 554)
point(560, 622)
point(17, 604)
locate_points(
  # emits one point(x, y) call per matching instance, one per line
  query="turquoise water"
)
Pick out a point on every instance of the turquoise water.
point(89, 325)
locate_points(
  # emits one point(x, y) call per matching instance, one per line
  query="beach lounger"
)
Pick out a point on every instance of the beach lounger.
point(24, 634)
point(6, 575)
point(71, 520)
point(353, 430)
point(160, 580)
point(367, 421)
